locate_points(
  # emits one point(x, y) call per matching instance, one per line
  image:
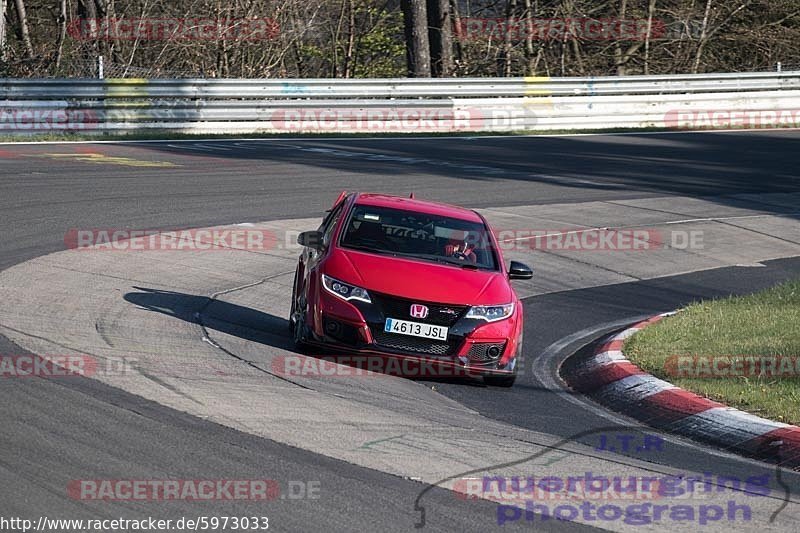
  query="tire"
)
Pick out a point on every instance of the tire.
point(500, 381)
point(297, 322)
point(299, 335)
point(294, 302)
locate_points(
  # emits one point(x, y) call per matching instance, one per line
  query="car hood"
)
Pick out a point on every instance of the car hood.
point(419, 280)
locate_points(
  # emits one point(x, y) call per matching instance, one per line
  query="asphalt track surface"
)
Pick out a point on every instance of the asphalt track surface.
point(56, 431)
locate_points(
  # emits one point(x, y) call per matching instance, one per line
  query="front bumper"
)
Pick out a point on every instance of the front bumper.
point(473, 347)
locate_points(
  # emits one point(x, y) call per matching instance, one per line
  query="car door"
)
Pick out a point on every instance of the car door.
point(310, 258)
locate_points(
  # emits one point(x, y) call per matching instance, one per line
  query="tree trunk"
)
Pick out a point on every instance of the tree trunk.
point(650, 10)
point(418, 53)
point(62, 33)
point(508, 45)
point(440, 33)
point(618, 54)
point(530, 66)
point(24, 32)
point(2, 31)
point(459, 51)
point(88, 11)
point(703, 38)
point(351, 40)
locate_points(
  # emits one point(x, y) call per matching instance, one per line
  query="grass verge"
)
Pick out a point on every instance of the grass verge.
point(744, 334)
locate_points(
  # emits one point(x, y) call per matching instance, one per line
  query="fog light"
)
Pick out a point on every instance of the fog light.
point(493, 352)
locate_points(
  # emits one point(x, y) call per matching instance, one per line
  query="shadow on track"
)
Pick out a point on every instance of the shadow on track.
point(255, 326)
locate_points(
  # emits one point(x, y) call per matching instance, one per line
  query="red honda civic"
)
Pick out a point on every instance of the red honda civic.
point(393, 277)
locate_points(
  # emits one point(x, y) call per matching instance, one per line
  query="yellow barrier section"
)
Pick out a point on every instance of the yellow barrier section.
point(533, 86)
point(126, 87)
point(538, 99)
point(127, 93)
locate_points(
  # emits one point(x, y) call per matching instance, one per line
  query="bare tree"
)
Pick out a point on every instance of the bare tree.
point(703, 39)
point(440, 22)
point(618, 53)
point(24, 32)
point(365, 38)
point(351, 37)
point(511, 11)
point(418, 50)
point(651, 8)
point(2, 31)
point(531, 63)
point(62, 32)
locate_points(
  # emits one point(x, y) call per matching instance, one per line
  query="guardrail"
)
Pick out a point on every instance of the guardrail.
point(29, 106)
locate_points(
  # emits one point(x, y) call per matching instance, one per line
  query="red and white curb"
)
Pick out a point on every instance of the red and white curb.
point(611, 379)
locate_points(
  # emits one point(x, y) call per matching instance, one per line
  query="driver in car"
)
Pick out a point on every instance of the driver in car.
point(460, 248)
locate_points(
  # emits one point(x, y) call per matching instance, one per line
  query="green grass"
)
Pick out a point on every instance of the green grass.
point(762, 324)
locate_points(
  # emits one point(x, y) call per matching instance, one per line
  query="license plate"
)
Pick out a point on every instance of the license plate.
point(426, 331)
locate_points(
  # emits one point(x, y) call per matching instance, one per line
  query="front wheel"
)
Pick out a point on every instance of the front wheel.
point(297, 318)
point(300, 333)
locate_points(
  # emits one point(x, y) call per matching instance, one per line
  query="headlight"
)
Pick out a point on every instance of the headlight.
point(491, 313)
point(345, 291)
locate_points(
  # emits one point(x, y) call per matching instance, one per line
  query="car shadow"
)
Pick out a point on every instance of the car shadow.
point(216, 315)
point(256, 326)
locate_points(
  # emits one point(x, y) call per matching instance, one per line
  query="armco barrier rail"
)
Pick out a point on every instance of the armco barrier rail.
point(31, 106)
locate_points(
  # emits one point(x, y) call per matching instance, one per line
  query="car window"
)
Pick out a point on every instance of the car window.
point(329, 223)
point(420, 236)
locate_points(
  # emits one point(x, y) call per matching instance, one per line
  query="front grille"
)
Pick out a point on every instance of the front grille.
point(479, 352)
point(412, 344)
point(438, 314)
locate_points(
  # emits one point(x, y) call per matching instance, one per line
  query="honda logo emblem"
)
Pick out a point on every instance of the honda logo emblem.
point(419, 311)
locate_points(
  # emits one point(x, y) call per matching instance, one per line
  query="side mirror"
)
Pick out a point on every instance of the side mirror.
point(519, 271)
point(311, 239)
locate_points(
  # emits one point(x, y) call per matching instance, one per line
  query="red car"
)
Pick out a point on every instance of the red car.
point(402, 278)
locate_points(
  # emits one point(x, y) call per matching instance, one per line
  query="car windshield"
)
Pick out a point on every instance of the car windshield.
point(420, 236)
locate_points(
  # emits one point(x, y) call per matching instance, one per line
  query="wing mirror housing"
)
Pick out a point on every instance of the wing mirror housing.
point(311, 239)
point(519, 271)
